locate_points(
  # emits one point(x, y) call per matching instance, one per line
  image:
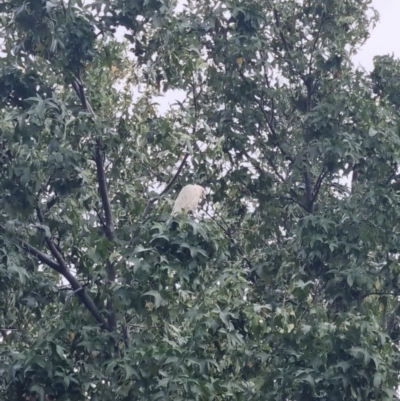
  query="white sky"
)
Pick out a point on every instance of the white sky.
point(385, 38)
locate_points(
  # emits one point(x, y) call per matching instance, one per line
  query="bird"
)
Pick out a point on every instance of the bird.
point(188, 199)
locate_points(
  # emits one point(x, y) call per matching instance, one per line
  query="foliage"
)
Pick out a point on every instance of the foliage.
point(285, 286)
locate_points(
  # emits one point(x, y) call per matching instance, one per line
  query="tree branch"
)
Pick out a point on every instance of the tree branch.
point(109, 223)
point(269, 123)
point(315, 43)
point(80, 92)
point(309, 195)
point(278, 25)
point(125, 333)
point(101, 178)
point(151, 201)
point(50, 244)
point(86, 300)
point(75, 285)
point(319, 183)
point(227, 232)
point(174, 178)
point(42, 257)
point(108, 226)
point(167, 188)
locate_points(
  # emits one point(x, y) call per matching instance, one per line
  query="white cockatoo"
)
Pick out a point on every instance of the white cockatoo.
point(188, 198)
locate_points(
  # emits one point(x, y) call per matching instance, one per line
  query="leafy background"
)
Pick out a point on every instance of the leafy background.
point(283, 287)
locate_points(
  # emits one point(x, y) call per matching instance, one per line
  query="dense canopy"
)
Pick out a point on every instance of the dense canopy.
point(283, 287)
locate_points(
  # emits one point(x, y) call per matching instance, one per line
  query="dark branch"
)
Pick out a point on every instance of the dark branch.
point(315, 43)
point(86, 300)
point(109, 223)
point(75, 285)
point(42, 257)
point(80, 92)
point(101, 178)
point(125, 333)
point(151, 201)
point(174, 178)
point(309, 195)
point(278, 25)
point(319, 183)
point(228, 233)
point(50, 244)
point(75, 86)
point(269, 123)
point(62, 268)
point(166, 189)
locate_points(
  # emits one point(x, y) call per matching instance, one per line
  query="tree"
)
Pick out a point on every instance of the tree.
point(285, 287)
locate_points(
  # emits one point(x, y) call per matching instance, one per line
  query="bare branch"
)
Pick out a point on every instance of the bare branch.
point(42, 257)
point(308, 81)
point(393, 173)
point(86, 300)
point(75, 86)
point(342, 188)
point(295, 201)
point(101, 177)
point(63, 7)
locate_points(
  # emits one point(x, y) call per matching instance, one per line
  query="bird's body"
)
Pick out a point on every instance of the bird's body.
point(188, 198)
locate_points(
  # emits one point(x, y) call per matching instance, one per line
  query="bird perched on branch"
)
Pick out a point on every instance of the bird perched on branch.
point(188, 199)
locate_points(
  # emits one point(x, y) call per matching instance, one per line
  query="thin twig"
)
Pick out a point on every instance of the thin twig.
point(301, 317)
point(151, 201)
point(166, 189)
point(174, 178)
